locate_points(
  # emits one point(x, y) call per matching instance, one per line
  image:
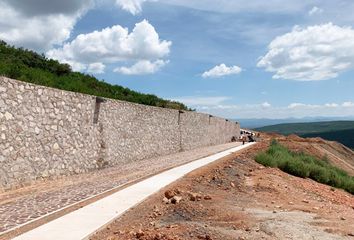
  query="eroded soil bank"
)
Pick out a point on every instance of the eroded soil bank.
point(236, 198)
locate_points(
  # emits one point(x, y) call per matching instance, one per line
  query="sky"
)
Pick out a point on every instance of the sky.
point(230, 58)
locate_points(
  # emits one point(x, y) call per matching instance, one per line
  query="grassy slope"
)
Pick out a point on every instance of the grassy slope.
point(340, 131)
point(28, 66)
point(305, 166)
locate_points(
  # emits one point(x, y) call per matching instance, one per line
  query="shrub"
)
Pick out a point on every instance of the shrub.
point(28, 66)
point(305, 166)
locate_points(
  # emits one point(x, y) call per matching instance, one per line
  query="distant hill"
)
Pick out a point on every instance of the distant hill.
point(29, 66)
point(340, 131)
point(252, 123)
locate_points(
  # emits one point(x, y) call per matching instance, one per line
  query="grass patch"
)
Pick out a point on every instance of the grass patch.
point(305, 166)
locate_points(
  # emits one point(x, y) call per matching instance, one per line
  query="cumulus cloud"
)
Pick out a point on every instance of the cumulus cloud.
point(317, 52)
point(266, 105)
point(221, 70)
point(96, 67)
point(132, 6)
point(142, 67)
point(300, 105)
point(331, 105)
point(315, 10)
point(348, 104)
point(39, 24)
point(115, 44)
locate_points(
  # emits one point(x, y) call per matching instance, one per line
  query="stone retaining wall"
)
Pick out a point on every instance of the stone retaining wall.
point(47, 132)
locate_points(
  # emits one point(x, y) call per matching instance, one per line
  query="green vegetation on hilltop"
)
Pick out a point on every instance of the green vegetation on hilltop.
point(307, 128)
point(345, 137)
point(305, 166)
point(29, 66)
point(340, 131)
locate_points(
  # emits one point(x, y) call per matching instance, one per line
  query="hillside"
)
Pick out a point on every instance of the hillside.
point(237, 198)
point(29, 66)
point(345, 137)
point(340, 131)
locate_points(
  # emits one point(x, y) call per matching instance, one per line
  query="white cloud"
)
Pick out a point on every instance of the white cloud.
point(194, 101)
point(298, 105)
point(348, 104)
point(331, 105)
point(39, 24)
point(132, 6)
point(317, 52)
point(315, 10)
point(96, 67)
point(114, 44)
point(294, 110)
point(135, 6)
point(266, 105)
point(142, 67)
point(221, 70)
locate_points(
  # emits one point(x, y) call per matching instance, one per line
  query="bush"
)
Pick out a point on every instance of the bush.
point(305, 166)
point(28, 66)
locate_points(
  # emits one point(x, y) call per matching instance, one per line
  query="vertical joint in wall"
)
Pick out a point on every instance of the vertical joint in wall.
point(101, 161)
point(180, 130)
point(97, 109)
point(179, 116)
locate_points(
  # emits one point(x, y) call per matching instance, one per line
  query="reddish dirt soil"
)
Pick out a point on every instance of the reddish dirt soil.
point(236, 198)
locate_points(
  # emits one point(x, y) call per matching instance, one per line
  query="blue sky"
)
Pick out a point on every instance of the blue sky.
point(235, 58)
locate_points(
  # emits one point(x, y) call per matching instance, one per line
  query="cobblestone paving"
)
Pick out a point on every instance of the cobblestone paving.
point(20, 206)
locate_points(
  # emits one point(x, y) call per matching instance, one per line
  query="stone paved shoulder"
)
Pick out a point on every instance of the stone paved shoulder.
point(21, 206)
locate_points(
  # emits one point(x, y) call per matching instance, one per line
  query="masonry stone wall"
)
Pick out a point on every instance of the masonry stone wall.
point(47, 132)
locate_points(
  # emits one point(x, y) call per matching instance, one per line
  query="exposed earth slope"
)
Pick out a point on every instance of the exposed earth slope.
point(236, 198)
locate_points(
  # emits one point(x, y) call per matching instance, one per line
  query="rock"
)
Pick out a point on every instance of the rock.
point(306, 201)
point(194, 197)
point(207, 197)
point(232, 184)
point(165, 200)
point(139, 234)
point(205, 237)
point(36, 130)
point(55, 146)
point(343, 218)
point(176, 199)
point(169, 194)
point(8, 116)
